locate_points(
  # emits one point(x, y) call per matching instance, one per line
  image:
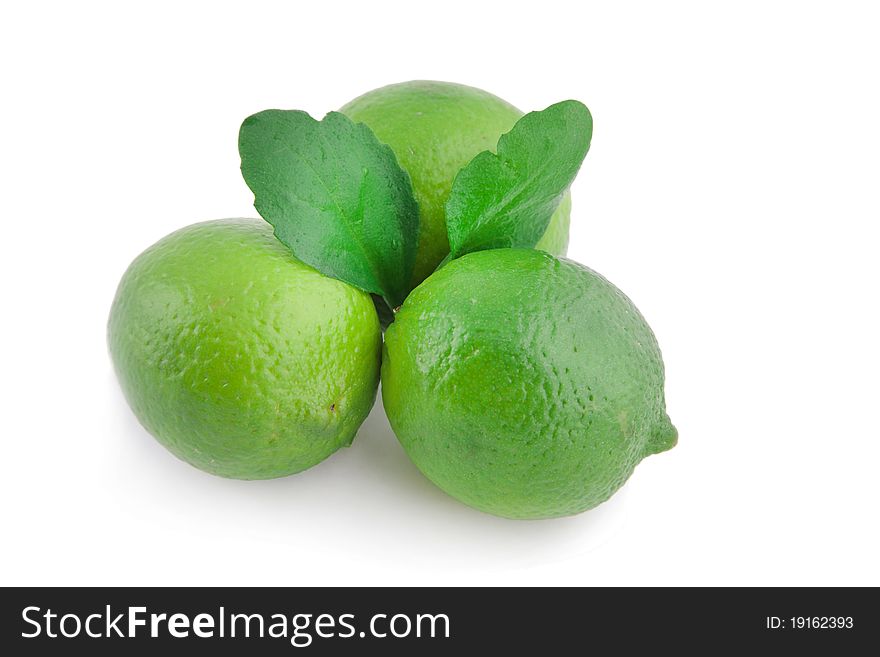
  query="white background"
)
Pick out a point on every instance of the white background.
point(731, 191)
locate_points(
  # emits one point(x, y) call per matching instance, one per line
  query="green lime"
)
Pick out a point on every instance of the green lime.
point(435, 129)
point(524, 385)
point(237, 357)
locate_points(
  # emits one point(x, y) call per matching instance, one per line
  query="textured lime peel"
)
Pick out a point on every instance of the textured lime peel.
point(436, 129)
point(336, 196)
point(238, 358)
point(524, 385)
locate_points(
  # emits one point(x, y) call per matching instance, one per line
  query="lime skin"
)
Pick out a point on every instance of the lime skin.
point(523, 384)
point(237, 357)
point(435, 129)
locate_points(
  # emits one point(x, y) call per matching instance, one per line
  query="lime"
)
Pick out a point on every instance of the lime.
point(524, 385)
point(435, 129)
point(237, 357)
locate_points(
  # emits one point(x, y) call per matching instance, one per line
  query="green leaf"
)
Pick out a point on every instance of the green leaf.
point(336, 196)
point(506, 200)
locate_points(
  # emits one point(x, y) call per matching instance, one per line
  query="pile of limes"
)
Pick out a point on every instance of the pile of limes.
point(518, 381)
